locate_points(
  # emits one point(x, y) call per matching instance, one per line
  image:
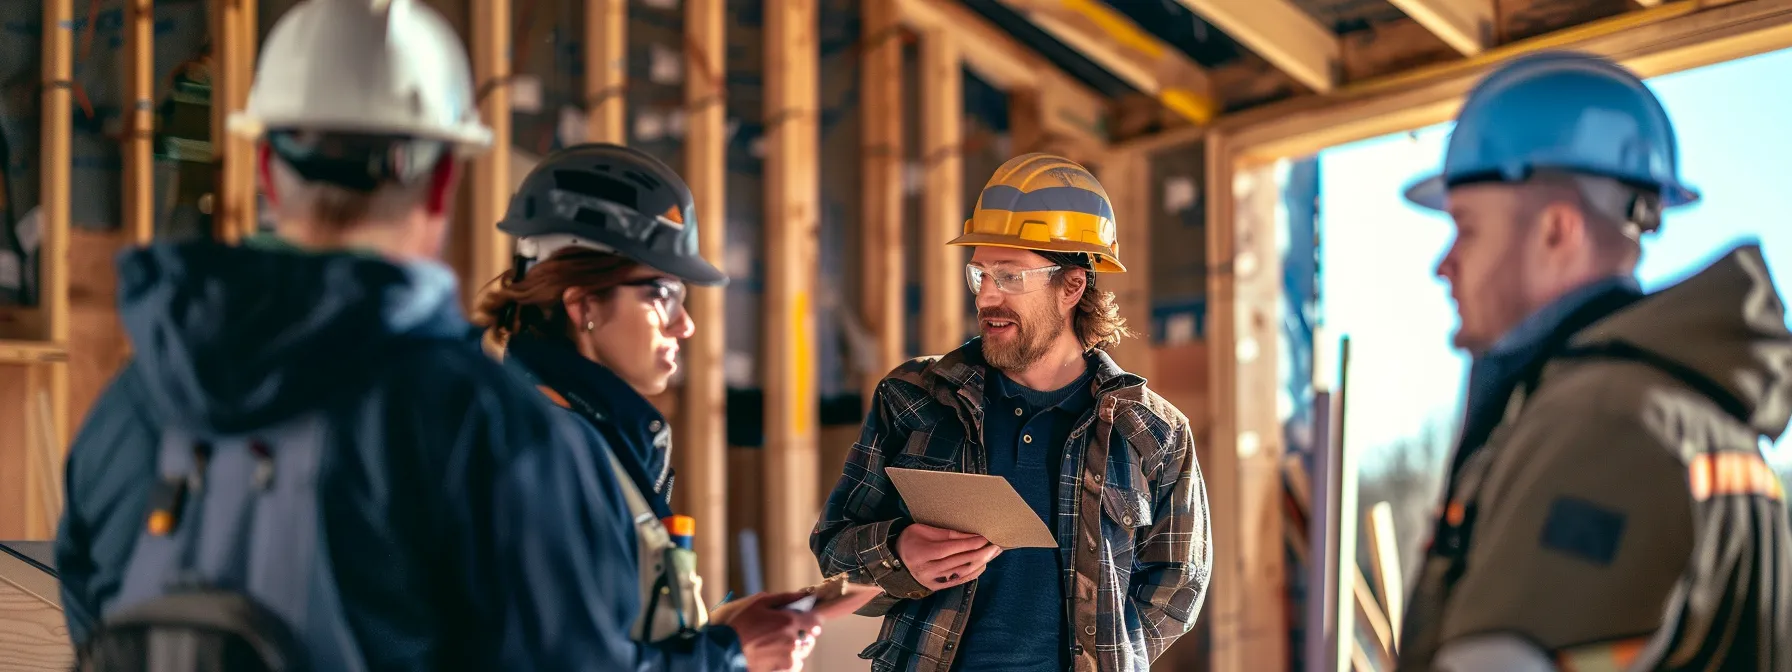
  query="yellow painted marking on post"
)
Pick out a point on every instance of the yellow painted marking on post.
point(802, 413)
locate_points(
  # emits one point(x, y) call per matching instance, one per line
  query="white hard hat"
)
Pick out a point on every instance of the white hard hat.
point(378, 67)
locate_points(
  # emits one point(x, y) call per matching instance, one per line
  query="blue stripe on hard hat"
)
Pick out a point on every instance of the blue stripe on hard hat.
point(1049, 199)
point(1560, 111)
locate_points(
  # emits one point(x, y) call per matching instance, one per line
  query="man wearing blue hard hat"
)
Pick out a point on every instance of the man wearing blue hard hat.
point(1608, 506)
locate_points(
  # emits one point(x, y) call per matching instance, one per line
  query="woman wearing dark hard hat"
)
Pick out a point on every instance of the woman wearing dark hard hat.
point(592, 314)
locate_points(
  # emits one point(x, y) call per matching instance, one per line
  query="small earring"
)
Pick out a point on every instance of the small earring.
point(590, 326)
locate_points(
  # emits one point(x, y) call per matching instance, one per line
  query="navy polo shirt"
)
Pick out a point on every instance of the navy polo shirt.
point(1017, 621)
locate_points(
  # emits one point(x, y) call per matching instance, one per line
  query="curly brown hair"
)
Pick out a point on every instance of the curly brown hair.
point(1097, 320)
point(534, 304)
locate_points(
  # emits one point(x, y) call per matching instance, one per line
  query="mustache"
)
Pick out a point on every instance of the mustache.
point(997, 314)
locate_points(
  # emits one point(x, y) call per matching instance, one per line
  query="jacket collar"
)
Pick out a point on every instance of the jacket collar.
point(596, 393)
point(963, 373)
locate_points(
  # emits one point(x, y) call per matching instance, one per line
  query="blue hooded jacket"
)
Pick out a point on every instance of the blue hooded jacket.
point(465, 522)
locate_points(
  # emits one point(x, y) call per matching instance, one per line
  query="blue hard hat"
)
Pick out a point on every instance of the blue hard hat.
point(1562, 111)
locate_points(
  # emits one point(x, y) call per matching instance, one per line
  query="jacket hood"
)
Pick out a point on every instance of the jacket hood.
point(1726, 322)
point(229, 339)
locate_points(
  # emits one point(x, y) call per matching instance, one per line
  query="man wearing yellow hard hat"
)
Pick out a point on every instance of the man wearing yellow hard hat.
point(1107, 464)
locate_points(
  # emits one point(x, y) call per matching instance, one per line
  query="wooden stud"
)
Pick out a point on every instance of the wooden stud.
point(53, 255)
point(1384, 556)
point(1256, 267)
point(606, 71)
point(1466, 25)
point(701, 456)
point(792, 202)
point(1673, 37)
point(1281, 33)
point(1244, 482)
point(942, 198)
point(1113, 41)
point(882, 268)
point(139, 93)
point(224, 16)
point(240, 159)
point(489, 250)
point(1228, 604)
point(1072, 109)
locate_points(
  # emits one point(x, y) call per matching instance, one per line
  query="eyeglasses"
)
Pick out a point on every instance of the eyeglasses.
point(666, 295)
point(1008, 280)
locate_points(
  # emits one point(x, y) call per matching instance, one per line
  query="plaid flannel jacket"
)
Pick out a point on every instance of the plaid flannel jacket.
point(1131, 524)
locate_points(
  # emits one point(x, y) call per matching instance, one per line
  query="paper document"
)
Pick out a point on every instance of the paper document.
point(974, 503)
point(835, 597)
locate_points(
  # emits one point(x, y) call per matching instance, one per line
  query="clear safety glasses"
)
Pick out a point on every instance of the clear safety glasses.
point(666, 295)
point(1009, 280)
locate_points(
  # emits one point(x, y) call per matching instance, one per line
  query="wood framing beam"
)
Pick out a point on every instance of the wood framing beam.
point(792, 202)
point(239, 158)
point(942, 196)
point(1673, 37)
point(606, 71)
point(1071, 108)
point(139, 94)
point(1244, 475)
point(1282, 34)
point(882, 264)
point(489, 250)
point(1114, 42)
point(1384, 559)
point(1466, 25)
point(53, 255)
point(701, 456)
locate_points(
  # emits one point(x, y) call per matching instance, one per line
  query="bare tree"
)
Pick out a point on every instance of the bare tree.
point(1409, 478)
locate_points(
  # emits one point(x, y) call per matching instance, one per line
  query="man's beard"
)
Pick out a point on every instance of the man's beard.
point(1033, 336)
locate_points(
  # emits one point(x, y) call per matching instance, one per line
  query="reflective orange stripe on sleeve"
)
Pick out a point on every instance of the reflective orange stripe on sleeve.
point(1604, 657)
point(553, 396)
point(1716, 475)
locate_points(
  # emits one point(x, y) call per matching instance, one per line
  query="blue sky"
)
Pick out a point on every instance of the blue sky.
point(1379, 251)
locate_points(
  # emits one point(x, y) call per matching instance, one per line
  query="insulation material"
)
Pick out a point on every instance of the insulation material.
point(96, 172)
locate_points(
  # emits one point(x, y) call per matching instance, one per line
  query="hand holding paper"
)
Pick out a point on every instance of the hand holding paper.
point(834, 598)
point(977, 504)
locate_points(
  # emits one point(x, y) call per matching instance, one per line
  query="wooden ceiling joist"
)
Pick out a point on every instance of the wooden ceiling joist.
point(1074, 109)
point(1465, 25)
point(1674, 37)
point(1282, 34)
point(1114, 42)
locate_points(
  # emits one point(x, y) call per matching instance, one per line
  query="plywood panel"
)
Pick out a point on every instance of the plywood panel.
point(33, 634)
point(15, 491)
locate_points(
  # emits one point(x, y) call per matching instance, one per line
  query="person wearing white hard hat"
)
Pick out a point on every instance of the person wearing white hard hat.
point(1608, 506)
point(306, 465)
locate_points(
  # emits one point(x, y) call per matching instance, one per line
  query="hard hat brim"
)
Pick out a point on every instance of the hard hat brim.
point(1432, 193)
point(1429, 193)
point(1104, 260)
point(469, 140)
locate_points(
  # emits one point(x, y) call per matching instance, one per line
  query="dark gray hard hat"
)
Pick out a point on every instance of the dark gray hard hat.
point(609, 198)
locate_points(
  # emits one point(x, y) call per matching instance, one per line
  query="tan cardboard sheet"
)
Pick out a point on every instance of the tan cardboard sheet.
point(974, 503)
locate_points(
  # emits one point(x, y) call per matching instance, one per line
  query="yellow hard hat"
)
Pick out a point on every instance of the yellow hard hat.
point(1046, 203)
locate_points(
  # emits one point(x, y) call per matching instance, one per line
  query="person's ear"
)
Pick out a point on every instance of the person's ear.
point(1076, 281)
point(578, 307)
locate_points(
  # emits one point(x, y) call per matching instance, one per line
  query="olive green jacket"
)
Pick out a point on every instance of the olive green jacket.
point(1620, 513)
